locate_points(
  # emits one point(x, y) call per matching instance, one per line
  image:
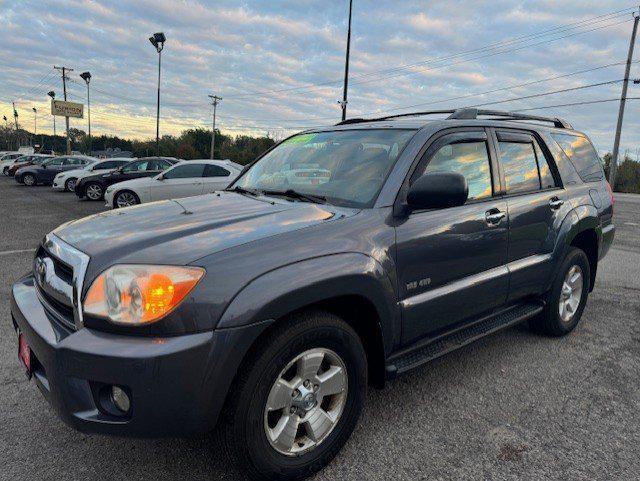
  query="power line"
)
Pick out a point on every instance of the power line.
point(494, 46)
point(588, 102)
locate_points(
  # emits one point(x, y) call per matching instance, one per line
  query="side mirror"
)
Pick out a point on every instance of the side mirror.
point(160, 177)
point(438, 190)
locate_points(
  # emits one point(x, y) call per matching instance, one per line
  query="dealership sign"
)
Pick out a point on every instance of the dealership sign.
point(66, 109)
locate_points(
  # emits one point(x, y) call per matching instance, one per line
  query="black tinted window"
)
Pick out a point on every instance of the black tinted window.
point(582, 155)
point(110, 164)
point(519, 166)
point(215, 171)
point(471, 159)
point(185, 171)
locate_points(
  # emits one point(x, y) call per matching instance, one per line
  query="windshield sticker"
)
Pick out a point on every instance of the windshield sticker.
point(301, 139)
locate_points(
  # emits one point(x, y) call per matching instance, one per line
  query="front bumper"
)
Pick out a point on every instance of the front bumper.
point(58, 184)
point(177, 385)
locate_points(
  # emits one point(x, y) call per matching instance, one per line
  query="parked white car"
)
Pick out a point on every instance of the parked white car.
point(7, 160)
point(67, 180)
point(185, 179)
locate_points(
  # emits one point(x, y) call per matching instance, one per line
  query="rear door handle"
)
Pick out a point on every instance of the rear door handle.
point(555, 203)
point(494, 216)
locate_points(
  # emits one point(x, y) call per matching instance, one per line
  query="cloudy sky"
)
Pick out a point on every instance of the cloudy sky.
point(278, 65)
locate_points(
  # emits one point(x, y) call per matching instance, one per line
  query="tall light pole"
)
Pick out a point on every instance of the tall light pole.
point(52, 94)
point(214, 101)
point(157, 41)
point(86, 76)
point(343, 103)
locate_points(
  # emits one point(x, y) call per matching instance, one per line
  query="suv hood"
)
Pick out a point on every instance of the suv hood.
point(181, 231)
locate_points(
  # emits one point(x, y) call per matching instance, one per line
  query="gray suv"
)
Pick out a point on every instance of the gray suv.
point(342, 257)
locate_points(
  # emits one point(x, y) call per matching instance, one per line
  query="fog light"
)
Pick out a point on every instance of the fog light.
point(120, 399)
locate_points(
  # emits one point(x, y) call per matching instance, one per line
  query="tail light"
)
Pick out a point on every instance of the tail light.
point(613, 199)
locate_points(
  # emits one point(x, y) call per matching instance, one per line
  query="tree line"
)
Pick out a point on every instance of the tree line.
point(190, 144)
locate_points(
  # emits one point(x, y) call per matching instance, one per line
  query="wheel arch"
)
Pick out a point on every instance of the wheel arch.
point(581, 229)
point(360, 293)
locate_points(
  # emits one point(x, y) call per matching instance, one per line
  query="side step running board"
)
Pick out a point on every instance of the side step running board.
point(414, 357)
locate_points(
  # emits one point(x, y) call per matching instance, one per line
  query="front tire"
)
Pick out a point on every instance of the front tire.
point(70, 184)
point(5, 171)
point(296, 399)
point(93, 191)
point(567, 298)
point(29, 180)
point(126, 198)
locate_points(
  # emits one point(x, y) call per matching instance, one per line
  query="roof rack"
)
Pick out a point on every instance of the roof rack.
point(469, 113)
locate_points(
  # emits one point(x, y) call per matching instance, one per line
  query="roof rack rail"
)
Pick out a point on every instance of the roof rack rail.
point(473, 113)
point(468, 113)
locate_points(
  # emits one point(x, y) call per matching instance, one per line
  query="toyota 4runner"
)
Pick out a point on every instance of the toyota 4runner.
point(342, 257)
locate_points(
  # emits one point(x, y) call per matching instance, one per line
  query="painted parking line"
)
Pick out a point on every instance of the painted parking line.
point(20, 251)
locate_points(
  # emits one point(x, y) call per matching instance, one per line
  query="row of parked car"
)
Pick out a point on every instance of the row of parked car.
point(121, 182)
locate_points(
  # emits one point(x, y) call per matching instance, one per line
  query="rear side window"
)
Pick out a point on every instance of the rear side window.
point(215, 171)
point(582, 155)
point(185, 171)
point(546, 177)
point(519, 166)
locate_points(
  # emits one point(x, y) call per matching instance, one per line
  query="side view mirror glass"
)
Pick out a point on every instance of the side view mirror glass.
point(438, 190)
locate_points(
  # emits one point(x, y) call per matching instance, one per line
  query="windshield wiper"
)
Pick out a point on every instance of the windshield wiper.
point(242, 190)
point(294, 194)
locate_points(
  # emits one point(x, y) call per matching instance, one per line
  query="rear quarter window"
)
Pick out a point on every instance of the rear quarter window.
point(582, 155)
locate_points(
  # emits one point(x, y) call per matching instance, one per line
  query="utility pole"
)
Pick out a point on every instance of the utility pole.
point(214, 101)
point(343, 103)
point(623, 99)
point(64, 89)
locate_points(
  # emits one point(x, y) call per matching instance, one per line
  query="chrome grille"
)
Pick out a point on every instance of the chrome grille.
point(59, 271)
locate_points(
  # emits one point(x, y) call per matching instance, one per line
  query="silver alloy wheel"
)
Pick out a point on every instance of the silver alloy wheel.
point(306, 401)
point(570, 294)
point(71, 184)
point(94, 192)
point(126, 199)
point(5, 171)
point(29, 179)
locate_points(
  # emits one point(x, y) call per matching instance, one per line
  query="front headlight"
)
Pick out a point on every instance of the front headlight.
point(139, 294)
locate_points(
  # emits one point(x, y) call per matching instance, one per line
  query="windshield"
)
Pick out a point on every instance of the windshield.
point(347, 167)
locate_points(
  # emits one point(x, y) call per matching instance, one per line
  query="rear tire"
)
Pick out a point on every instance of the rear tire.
point(567, 298)
point(254, 428)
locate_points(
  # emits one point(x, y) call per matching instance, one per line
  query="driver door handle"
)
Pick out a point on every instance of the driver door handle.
point(555, 203)
point(494, 216)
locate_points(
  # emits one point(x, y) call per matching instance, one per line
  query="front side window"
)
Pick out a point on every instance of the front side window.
point(185, 171)
point(520, 167)
point(582, 155)
point(471, 159)
point(348, 167)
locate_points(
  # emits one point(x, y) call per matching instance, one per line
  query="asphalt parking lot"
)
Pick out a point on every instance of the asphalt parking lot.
point(513, 406)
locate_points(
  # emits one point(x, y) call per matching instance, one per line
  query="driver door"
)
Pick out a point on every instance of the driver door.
point(451, 261)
